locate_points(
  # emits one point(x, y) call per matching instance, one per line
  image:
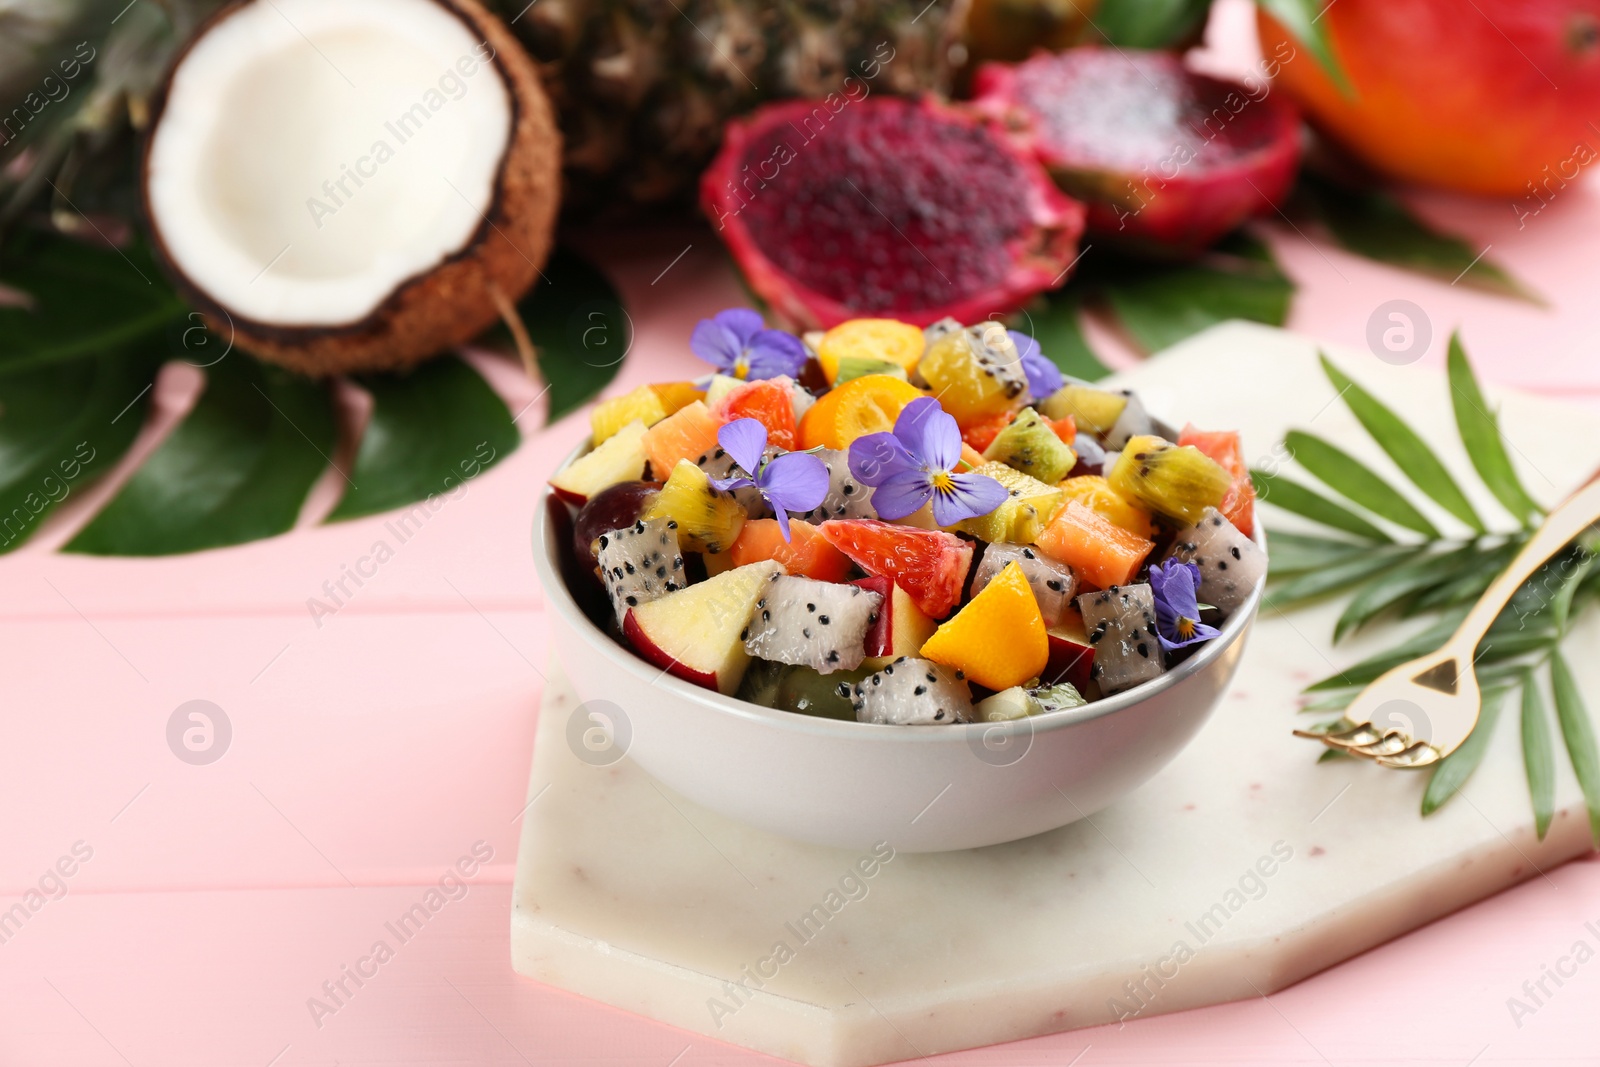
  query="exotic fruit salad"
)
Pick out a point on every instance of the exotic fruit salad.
point(943, 530)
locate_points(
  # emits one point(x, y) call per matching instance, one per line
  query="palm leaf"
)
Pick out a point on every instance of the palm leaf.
point(1578, 732)
point(1336, 576)
point(1393, 586)
point(1538, 760)
point(1452, 772)
point(1291, 553)
point(1480, 433)
point(1410, 452)
point(1357, 482)
point(1291, 496)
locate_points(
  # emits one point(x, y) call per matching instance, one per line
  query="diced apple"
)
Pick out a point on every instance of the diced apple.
point(902, 627)
point(696, 633)
point(620, 458)
point(1071, 654)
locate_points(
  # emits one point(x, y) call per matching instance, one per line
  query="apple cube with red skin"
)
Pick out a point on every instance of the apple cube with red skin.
point(697, 633)
point(619, 458)
point(902, 627)
point(1071, 654)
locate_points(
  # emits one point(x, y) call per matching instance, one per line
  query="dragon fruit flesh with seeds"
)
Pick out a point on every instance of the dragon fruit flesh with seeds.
point(641, 563)
point(808, 623)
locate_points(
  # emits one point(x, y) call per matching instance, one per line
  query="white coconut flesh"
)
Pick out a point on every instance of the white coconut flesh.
point(313, 155)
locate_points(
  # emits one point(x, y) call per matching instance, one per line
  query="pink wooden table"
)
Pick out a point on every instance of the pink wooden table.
point(375, 750)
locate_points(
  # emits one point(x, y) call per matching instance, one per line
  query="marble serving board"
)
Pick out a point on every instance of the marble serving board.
point(1243, 867)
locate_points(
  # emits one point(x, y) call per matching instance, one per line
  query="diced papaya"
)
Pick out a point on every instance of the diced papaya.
point(1102, 553)
point(687, 433)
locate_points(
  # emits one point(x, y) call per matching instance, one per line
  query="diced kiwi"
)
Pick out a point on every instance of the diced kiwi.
point(1031, 446)
point(1057, 697)
point(1094, 410)
point(708, 519)
point(800, 689)
point(1179, 483)
point(852, 367)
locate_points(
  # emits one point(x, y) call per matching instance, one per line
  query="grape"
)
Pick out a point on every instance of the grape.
point(610, 509)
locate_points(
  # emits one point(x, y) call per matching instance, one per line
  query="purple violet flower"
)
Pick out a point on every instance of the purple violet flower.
point(793, 481)
point(737, 342)
point(1044, 377)
point(1174, 584)
point(916, 463)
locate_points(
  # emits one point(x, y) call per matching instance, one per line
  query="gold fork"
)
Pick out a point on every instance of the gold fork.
point(1420, 712)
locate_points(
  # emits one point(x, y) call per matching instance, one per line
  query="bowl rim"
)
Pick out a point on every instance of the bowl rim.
point(558, 596)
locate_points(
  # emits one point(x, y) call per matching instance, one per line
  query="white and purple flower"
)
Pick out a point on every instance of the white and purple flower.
point(792, 481)
point(916, 463)
point(1174, 585)
point(737, 343)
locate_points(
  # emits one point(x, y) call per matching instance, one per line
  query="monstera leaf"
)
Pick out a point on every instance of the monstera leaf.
point(84, 330)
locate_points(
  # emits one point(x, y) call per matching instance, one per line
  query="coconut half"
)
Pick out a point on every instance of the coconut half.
point(346, 185)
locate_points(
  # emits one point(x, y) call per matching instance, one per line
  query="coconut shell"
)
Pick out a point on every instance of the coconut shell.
point(453, 302)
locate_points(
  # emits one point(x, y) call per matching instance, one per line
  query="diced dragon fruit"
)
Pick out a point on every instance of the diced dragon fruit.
point(847, 498)
point(913, 692)
point(821, 625)
point(718, 464)
point(1121, 623)
point(1053, 583)
point(641, 563)
point(1231, 565)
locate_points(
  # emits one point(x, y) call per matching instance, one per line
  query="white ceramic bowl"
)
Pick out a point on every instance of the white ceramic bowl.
point(851, 785)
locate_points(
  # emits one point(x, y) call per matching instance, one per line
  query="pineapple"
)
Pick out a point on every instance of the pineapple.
point(975, 373)
point(1022, 518)
point(648, 404)
point(644, 87)
point(1179, 483)
point(708, 520)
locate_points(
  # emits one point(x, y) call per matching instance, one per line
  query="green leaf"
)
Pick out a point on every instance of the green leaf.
point(1468, 585)
point(1291, 496)
point(62, 425)
point(1337, 701)
point(1160, 306)
point(1452, 772)
point(1376, 225)
point(1302, 20)
point(1394, 585)
point(1150, 23)
point(1347, 475)
point(1577, 569)
point(1402, 444)
point(237, 468)
point(431, 429)
point(1578, 732)
point(1537, 759)
point(1370, 668)
point(1054, 323)
point(1335, 576)
point(1480, 433)
point(1291, 553)
point(84, 300)
point(579, 329)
